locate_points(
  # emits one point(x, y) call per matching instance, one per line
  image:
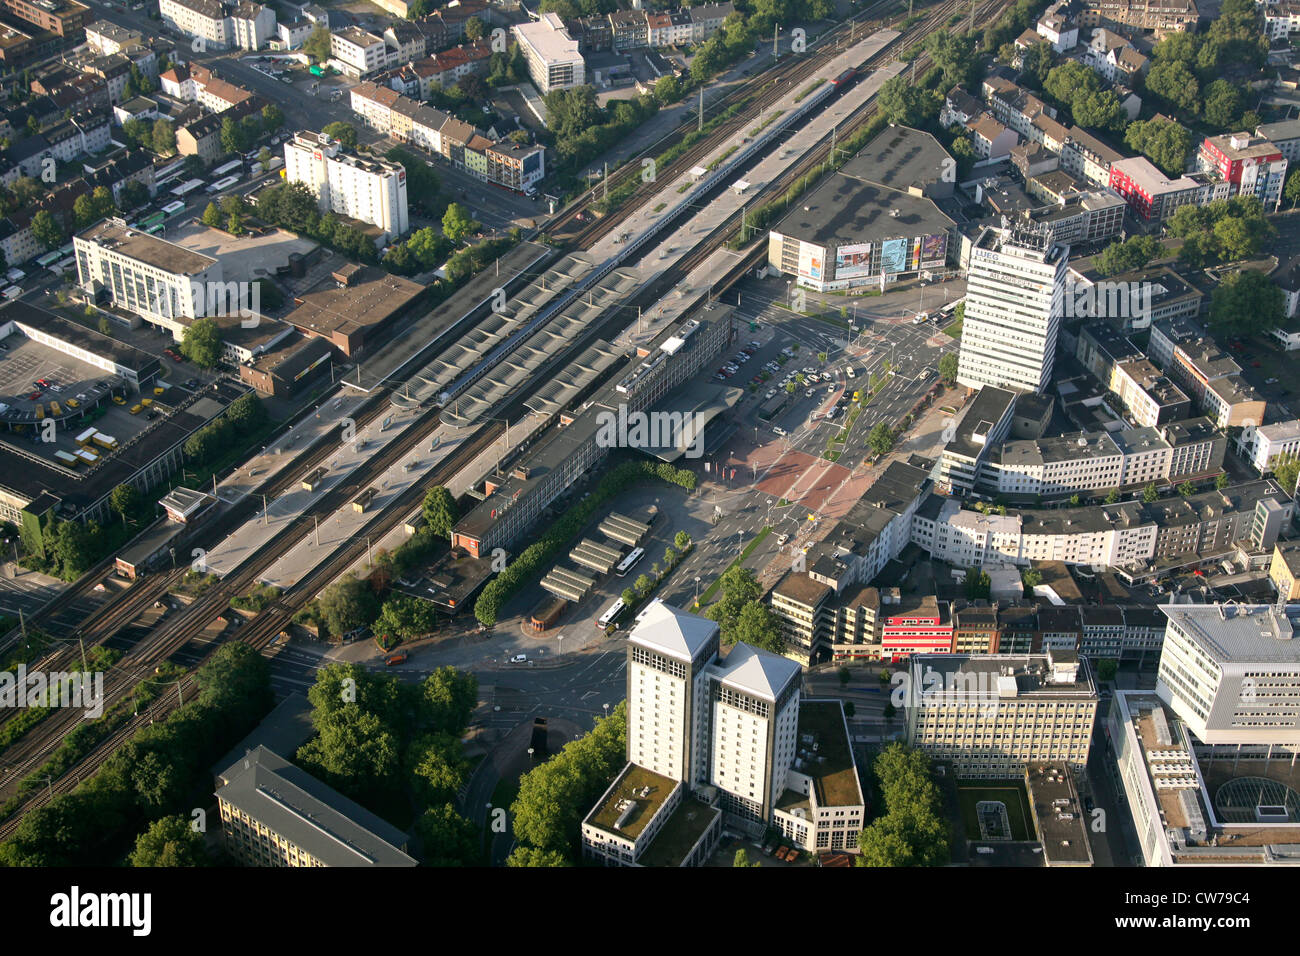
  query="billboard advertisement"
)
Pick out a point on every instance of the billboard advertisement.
point(893, 255)
point(810, 261)
point(853, 261)
point(934, 249)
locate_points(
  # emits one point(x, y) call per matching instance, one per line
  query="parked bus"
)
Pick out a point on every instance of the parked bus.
point(72, 461)
point(48, 259)
point(223, 184)
point(172, 208)
point(611, 615)
point(628, 563)
point(228, 168)
point(184, 189)
point(104, 441)
point(86, 455)
point(150, 220)
point(155, 229)
point(86, 438)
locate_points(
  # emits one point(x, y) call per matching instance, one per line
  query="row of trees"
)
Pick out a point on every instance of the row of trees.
point(151, 778)
point(912, 831)
point(245, 416)
point(1226, 230)
point(156, 137)
point(292, 206)
point(554, 796)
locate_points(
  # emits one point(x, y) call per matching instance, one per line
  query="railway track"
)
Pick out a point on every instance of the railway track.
point(759, 94)
point(194, 622)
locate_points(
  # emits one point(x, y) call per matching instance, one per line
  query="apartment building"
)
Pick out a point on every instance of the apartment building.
point(990, 716)
point(143, 274)
point(1284, 570)
point(554, 61)
point(358, 53)
point(1250, 165)
point(1154, 196)
point(915, 625)
point(1015, 287)
point(1231, 672)
point(1100, 461)
point(221, 24)
point(1059, 28)
point(1137, 538)
point(1285, 135)
point(63, 18)
point(1208, 374)
point(1087, 157)
point(804, 607)
point(1159, 16)
point(364, 188)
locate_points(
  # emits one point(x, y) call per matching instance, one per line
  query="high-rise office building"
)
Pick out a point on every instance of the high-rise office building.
point(1014, 300)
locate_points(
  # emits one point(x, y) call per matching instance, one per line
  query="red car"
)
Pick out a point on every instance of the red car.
point(34, 396)
point(395, 659)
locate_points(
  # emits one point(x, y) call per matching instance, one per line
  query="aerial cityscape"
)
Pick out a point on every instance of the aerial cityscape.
point(381, 484)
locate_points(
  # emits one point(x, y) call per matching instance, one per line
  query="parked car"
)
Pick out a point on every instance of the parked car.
point(519, 659)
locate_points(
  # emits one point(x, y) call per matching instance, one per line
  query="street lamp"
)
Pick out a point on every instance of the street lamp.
point(697, 591)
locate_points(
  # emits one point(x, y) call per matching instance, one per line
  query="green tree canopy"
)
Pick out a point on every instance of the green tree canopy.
point(201, 343)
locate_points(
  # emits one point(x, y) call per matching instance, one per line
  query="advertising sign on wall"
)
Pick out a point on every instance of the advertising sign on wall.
point(853, 261)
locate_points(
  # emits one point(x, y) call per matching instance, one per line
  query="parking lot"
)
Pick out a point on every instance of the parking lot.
point(23, 362)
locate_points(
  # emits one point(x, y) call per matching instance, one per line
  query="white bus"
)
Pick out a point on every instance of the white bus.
point(228, 168)
point(609, 616)
point(628, 563)
point(185, 188)
point(223, 184)
point(172, 208)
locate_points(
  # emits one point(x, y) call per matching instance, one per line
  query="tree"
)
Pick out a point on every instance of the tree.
point(317, 44)
point(667, 89)
point(163, 137)
point(845, 675)
point(1070, 81)
point(741, 860)
point(643, 585)
point(192, 167)
point(1150, 494)
point(345, 133)
point(1292, 189)
point(1036, 65)
point(670, 558)
point(474, 29)
point(406, 617)
point(1134, 253)
point(438, 767)
point(448, 699)
point(105, 326)
point(170, 842)
point(125, 499)
point(201, 343)
point(531, 857)
point(46, 230)
point(272, 118)
point(1187, 489)
point(739, 587)
point(1031, 578)
point(1112, 496)
point(440, 511)
point(1222, 481)
point(901, 102)
point(881, 438)
point(1222, 104)
point(212, 216)
point(757, 626)
point(1165, 143)
point(1107, 668)
point(948, 368)
point(134, 194)
point(447, 838)
point(682, 541)
point(457, 224)
point(347, 604)
point(1246, 302)
point(232, 136)
point(978, 585)
point(1286, 469)
point(1174, 83)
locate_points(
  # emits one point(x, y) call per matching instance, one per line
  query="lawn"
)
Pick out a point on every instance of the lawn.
point(1009, 792)
point(953, 329)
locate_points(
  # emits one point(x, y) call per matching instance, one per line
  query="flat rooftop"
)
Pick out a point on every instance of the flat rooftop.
point(1031, 674)
point(849, 210)
point(115, 235)
point(73, 333)
point(373, 298)
point(630, 785)
point(1256, 633)
point(681, 831)
point(247, 257)
point(1062, 826)
point(833, 771)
